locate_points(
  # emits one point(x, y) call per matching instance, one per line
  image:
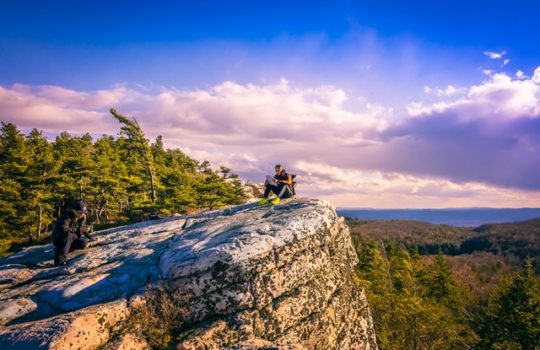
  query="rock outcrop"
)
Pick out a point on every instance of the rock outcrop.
point(250, 277)
point(251, 191)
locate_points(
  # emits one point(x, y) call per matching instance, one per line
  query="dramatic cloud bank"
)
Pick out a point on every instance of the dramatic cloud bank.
point(473, 146)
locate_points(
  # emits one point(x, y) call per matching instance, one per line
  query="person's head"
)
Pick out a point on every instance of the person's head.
point(278, 168)
point(79, 208)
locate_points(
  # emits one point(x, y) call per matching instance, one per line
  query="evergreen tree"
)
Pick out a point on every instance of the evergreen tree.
point(440, 282)
point(405, 314)
point(36, 188)
point(73, 157)
point(512, 318)
point(13, 165)
point(122, 179)
point(138, 143)
point(108, 195)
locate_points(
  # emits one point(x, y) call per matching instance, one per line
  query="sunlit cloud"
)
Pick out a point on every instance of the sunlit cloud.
point(360, 188)
point(499, 97)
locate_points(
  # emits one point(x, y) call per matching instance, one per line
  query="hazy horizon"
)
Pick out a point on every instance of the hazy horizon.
point(451, 208)
point(470, 217)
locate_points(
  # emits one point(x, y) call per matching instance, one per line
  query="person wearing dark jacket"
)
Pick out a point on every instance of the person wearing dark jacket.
point(280, 184)
point(70, 232)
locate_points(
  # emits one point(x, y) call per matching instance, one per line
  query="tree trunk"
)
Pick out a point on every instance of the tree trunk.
point(152, 181)
point(80, 187)
point(40, 222)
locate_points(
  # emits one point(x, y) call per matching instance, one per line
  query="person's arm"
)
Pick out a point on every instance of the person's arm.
point(81, 224)
point(66, 225)
point(85, 229)
point(286, 182)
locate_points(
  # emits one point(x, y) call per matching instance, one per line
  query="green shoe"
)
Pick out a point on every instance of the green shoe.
point(275, 201)
point(264, 201)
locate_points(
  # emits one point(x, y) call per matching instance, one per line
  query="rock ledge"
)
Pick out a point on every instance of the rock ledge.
point(255, 277)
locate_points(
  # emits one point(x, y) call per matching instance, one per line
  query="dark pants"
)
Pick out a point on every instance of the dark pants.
point(282, 191)
point(65, 243)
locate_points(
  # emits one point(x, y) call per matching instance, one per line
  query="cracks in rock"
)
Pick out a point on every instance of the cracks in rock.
point(230, 318)
point(244, 276)
point(45, 276)
point(312, 315)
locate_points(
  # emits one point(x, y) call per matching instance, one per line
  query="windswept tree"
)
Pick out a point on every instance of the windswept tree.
point(139, 144)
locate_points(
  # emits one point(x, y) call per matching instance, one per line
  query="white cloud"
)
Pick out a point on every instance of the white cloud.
point(487, 72)
point(536, 76)
point(494, 55)
point(238, 112)
point(500, 97)
point(364, 188)
point(450, 90)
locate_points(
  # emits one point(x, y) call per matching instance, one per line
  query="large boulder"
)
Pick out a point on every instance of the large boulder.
point(248, 276)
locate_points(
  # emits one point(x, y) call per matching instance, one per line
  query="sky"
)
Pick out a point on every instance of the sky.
point(380, 104)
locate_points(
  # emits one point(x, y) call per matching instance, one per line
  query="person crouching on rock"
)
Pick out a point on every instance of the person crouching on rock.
point(70, 232)
point(280, 184)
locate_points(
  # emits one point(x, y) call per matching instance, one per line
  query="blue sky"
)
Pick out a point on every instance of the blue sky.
point(97, 43)
point(365, 70)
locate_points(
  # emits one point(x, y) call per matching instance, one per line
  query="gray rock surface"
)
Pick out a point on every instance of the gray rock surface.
point(252, 275)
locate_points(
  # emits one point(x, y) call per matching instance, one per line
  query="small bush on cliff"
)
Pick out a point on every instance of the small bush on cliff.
point(158, 316)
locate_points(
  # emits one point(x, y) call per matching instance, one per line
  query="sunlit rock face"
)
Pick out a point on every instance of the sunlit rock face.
point(252, 277)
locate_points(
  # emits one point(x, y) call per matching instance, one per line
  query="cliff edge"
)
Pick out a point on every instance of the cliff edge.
point(247, 277)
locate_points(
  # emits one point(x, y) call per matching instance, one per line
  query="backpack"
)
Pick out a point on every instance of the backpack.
point(293, 183)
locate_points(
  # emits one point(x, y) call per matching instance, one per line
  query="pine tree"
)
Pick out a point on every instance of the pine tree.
point(139, 144)
point(37, 190)
point(513, 314)
point(13, 165)
point(405, 314)
point(71, 157)
point(109, 195)
point(440, 282)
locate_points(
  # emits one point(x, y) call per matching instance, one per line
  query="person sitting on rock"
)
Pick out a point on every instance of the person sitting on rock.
point(280, 184)
point(70, 232)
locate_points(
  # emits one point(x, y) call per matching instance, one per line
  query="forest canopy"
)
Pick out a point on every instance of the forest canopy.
point(123, 179)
